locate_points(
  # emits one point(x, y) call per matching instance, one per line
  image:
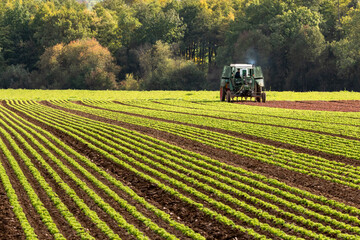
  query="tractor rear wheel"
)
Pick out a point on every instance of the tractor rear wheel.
point(228, 95)
point(263, 97)
point(222, 94)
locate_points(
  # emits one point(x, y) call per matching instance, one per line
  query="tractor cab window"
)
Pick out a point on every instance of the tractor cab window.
point(251, 72)
point(258, 73)
point(244, 72)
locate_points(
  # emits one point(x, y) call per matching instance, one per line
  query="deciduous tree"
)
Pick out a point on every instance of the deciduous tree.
point(81, 64)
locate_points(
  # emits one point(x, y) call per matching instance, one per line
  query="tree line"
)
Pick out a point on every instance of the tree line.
point(302, 45)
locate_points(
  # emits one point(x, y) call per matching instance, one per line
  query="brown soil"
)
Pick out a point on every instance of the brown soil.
point(189, 215)
point(29, 210)
point(318, 186)
point(85, 221)
point(207, 116)
point(221, 200)
point(10, 227)
point(339, 106)
point(294, 148)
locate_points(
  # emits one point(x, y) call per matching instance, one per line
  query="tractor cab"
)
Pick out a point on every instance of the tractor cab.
point(242, 80)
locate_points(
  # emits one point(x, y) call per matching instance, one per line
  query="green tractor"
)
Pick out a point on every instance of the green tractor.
point(244, 81)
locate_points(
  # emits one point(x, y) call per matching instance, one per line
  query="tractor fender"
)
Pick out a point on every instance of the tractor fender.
point(260, 81)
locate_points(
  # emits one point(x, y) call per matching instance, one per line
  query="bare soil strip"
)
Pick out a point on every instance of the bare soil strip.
point(33, 217)
point(257, 114)
point(84, 220)
point(317, 186)
point(234, 206)
point(10, 227)
point(291, 147)
point(129, 218)
point(227, 119)
point(188, 214)
point(337, 106)
point(248, 192)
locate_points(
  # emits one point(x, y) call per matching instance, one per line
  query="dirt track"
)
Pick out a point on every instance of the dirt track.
point(339, 106)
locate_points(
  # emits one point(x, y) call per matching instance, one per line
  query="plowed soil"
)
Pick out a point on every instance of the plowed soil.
point(339, 106)
point(10, 227)
point(186, 213)
point(315, 185)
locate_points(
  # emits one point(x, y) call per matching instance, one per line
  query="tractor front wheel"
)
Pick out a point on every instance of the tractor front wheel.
point(263, 97)
point(228, 95)
point(222, 94)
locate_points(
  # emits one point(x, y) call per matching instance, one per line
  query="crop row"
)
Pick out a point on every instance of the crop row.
point(33, 129)
point(15, 203)
point(77, 131)
point(311, 165)
point(146, 150)
point(248, 115)
point(349, 118)
point(315, 141)
point(98, 200)
point(99, 147)
point(200, 132)
point(52, 195)
point(112, 128)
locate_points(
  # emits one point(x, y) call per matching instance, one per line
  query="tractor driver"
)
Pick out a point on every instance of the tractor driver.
point(237, 74)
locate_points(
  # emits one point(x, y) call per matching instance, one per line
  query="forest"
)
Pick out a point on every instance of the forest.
point(302, 45)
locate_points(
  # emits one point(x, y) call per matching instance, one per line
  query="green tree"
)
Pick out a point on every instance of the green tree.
point(55, 24)
point(117, 23)
point(161, 70)
point(303, 54)
point(107, 30)
point(81, 64)
point(207, 22)
point(15, 35)
point(157, 24)
point(285, 30)
point(15, 76)
point(347, 51)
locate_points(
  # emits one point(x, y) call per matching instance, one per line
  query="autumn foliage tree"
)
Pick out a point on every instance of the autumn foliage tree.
point(81, 64)
point(302, 45)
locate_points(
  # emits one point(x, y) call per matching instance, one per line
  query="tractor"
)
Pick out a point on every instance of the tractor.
point(244, 81)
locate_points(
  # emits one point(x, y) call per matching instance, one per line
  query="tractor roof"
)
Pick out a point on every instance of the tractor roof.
point(241, 65)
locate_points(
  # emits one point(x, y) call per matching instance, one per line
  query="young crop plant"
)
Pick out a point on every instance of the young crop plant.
point(312, 140)
point(212, 213)
point(90, 192)
point(187, 231)
point(35, 200)
point(176, 129)
point(16, 206)
point(143, 149)
point(246, 201)
point(204, 197)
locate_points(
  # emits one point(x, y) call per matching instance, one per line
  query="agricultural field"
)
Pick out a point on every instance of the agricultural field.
point(178, 165)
